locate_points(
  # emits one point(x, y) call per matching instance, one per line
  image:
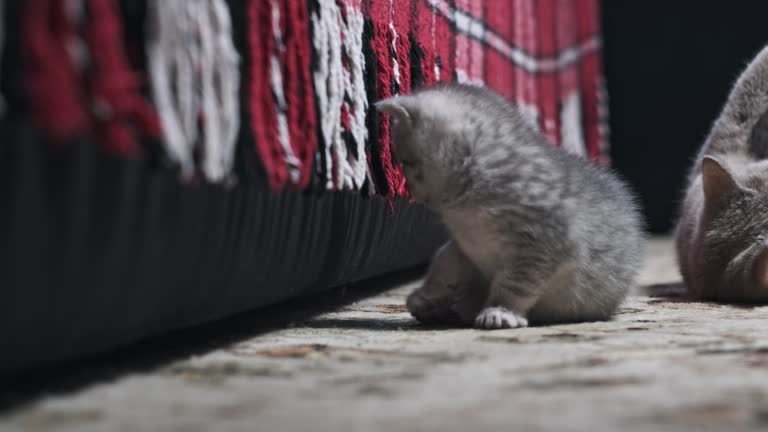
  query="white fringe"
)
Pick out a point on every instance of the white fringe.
point(603, 126)
point(220, 86)
point(432, 30)
point(395, 64)
point(354, 87)
point(571, 131)
point(173, 52)
point(194, 71)
point(332, 83)
point(327, 45)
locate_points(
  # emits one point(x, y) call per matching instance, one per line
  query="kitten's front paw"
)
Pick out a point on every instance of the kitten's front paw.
point(499, 318)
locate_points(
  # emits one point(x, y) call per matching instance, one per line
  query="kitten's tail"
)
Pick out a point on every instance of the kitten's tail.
point(747, 103)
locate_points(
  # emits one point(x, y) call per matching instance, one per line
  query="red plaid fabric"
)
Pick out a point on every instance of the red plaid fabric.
point(310, 73)
point(540, 54)
point(78, 79)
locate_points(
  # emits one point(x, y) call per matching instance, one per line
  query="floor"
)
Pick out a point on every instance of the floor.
point(662, 364)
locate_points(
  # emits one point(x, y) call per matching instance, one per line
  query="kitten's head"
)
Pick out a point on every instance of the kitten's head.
point(429, 140)
point(734, 231)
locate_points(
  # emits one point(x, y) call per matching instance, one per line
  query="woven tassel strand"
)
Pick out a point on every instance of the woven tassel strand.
point(340, 91)
point(220, 86)
point(52, 76)
point(195, 79)
point(122, 113)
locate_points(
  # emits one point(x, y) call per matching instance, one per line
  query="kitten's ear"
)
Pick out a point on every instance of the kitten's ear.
point(397, 108)
point(717, 179)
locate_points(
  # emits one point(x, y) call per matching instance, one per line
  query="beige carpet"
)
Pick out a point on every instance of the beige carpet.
point(367, 366)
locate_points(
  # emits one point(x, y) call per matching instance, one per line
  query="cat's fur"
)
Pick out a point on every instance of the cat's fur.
point(538, 234)
point(722, 234)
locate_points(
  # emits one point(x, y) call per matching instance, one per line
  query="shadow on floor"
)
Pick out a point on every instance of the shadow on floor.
point(373, 324)
point(20, 389)
point(677, 293)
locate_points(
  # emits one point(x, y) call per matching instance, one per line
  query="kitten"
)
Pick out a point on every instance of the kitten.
point(722, 234)
point(552, 237)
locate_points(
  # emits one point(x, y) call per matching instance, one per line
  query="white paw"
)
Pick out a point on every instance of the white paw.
point(499, 318)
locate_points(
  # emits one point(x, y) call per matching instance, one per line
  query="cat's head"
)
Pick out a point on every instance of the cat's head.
point(734, 231)
point(429, 141)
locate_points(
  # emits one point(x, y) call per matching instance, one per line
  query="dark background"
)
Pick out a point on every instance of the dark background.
point(669, 67)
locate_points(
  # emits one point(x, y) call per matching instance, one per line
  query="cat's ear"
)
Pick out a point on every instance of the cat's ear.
point(716, 178)
point(397, 108)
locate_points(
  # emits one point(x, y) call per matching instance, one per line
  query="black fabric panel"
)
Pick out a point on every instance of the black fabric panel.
point(97, 252)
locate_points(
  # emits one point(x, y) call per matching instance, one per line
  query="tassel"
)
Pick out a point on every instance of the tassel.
point(340, 90)
point(51, 77)
point(121, 111)
point(195, 82)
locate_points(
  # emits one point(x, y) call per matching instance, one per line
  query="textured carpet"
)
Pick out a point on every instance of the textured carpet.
point(662, 364)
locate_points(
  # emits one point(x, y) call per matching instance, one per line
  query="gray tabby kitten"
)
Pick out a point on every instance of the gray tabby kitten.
point(538, 234)
point(722, 234)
